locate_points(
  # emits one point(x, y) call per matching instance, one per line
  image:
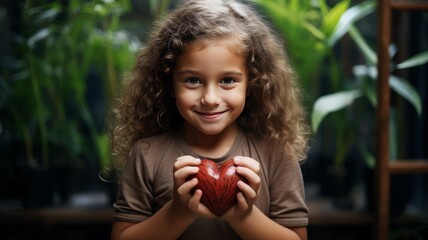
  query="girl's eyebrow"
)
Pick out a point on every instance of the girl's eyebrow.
point(239, 73)
point(187, 71)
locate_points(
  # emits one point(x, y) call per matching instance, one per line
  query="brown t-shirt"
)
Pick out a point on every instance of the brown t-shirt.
point(147, 184)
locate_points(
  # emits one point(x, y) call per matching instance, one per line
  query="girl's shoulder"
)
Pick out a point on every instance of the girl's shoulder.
point(154, 151)
point(270, 150)
point(154, 143)
point(256, 139)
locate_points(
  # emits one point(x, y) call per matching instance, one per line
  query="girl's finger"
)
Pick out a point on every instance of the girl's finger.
point(187, 187)
point(242, 202)
point(247, 173)
point(198, 207)
point(186, 161)
point(185, 172)
point(248, 163)
point(195, 200)
point(252, 178)
point(249, 193)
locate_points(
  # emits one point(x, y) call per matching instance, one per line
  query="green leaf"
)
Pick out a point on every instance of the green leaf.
point(40, 35)
point(323, 7)
point(407, 91)
point(368, 53)
point(351, 16)
point(363, 71)
point(49, 14)
point(333, 16)
point(416, 60)
point(331, 103)
point(368, 157)
point(364, 76)
point(313, 30)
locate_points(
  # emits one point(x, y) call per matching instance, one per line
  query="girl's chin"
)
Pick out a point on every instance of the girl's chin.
point(210, 132)
point(199, 128)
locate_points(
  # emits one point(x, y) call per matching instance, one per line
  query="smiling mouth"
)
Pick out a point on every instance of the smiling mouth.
point(210, 115)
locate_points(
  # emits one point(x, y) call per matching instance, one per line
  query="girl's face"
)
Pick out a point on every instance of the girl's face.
point(210, 85)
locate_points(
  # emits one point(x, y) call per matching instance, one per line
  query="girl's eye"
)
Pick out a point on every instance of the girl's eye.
point(193, 80)
point(227, 81)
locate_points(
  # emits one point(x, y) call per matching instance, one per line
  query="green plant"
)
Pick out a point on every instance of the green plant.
point(311, 30)
point(364, 87)
point(66, 55)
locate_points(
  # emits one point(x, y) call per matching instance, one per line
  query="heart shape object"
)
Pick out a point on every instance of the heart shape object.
point(218, 184)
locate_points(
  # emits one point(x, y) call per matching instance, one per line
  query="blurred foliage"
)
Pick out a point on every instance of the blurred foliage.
point(311, 30)
point(62, 77)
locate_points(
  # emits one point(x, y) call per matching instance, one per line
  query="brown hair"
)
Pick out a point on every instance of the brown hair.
point(273, 108)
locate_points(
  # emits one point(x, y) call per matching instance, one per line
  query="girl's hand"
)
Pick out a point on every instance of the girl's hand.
point(183, 198)
point(250, 170)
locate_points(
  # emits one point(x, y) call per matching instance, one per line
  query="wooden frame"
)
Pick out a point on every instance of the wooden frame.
point(384, 168)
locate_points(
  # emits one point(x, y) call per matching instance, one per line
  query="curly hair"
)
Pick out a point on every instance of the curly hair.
point(273, 108)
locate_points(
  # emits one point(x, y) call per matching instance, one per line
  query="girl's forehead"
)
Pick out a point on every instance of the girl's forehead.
point(232, 43)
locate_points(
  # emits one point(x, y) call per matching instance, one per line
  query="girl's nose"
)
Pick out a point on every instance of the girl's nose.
point(210, 96)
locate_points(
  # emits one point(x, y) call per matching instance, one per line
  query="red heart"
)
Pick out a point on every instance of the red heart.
point(218, 184)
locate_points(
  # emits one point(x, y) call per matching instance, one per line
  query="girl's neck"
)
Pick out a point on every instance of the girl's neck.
point(211, 146)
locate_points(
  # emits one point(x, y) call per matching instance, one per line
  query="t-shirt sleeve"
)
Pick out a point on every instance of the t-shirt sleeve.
point(287, 195)
point(134, 198)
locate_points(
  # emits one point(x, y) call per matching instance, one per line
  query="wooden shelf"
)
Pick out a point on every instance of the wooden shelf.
point(384, 168)
point(408, 166)
point(410, 5)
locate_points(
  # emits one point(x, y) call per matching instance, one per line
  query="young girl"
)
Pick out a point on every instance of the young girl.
point(212, 83)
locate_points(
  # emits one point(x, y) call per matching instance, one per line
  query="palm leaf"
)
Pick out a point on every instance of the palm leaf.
point(416, 60)
point(407, 91)
point(331, 103)
point(348, 18)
